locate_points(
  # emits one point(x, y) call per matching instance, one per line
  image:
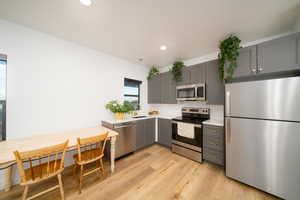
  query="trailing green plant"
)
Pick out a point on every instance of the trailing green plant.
point(115, 107)
point(177, 70)
point(229, 52)
point(153, 71)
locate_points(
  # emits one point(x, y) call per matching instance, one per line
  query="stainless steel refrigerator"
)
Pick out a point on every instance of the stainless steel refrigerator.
point(262, 121)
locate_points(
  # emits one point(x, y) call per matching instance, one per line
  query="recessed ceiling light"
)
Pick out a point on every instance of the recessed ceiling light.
point(163, 47)
point(86, 2)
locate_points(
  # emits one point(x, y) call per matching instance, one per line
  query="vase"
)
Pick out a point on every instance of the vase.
point(119, 116)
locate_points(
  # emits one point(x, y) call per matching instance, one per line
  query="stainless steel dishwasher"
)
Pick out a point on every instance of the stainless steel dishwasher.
point(126, 140)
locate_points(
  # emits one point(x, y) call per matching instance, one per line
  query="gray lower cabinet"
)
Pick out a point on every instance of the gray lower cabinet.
point(154, 90)
point(145, 133)
point(213, 144)
point(150, 131)
point(215, 88)
point(197, 73)
point(278, 55)
point(165, 132)
point(168, 88)
point(246, 62)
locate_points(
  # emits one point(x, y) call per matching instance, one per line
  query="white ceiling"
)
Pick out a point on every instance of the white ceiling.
point(133, 29)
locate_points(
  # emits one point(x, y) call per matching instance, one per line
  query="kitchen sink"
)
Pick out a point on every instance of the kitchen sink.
point(139, 116)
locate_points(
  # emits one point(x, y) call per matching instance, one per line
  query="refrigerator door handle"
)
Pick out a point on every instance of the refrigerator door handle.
point(227, 131)
point(227, 105)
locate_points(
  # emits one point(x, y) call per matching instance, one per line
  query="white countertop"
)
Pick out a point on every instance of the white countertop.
point(214, 122)
point(130, 119)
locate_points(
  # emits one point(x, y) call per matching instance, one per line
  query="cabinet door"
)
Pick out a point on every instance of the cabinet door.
point(154, 90)
point(246, 62)
point(168, 89)
point(215, 89)
point(278, 55)
point(197, 73)
point(150, 131)
point(186, 75)
point(165, 132)
point(140, 134)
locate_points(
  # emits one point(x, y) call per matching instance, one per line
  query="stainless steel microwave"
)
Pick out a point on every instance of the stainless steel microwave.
point(195, 92)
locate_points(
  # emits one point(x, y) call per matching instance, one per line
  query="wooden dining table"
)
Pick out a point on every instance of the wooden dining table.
point(7, 147)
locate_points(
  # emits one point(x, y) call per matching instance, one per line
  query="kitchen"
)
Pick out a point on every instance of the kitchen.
point(199, 127)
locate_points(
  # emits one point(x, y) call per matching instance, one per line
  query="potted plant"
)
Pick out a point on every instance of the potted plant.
point(176, 70)
point(153, 71)
point(229, 52)
point(119, 109)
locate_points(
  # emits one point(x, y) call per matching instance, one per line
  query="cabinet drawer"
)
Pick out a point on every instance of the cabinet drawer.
point(214, 131)
point(213, 156)
point(214, 142)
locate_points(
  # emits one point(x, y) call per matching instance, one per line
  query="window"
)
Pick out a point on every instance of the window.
point(132, 92)
point(2, 97)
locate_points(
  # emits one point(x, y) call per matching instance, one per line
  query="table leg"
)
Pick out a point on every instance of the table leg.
point(7, 178)
point(112, 153)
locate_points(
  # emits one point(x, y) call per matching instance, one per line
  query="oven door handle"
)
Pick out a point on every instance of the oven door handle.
point(195, 125)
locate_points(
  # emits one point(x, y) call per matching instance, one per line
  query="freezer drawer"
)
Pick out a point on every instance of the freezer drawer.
point(269, 99)
point(264, 154)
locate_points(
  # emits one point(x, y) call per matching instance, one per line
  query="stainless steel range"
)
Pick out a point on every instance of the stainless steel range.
point(187, 132)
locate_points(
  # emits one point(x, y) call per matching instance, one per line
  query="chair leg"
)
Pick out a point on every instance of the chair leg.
point(25, 193)
point(74, 169)
point(61, 187)
point(102, 167)
point(80, 178)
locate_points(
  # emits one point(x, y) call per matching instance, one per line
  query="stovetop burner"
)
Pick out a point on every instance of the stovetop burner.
point(193, 115)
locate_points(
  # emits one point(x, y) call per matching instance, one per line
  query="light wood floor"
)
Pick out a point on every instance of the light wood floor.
point(152, 173)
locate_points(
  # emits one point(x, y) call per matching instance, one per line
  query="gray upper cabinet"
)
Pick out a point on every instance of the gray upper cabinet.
point(246, 62)
point(165, 132)
point(278, 55)
point(154, 90)
point(197, 73)
point(168, 88)
point(186, 76)
point(215, 89)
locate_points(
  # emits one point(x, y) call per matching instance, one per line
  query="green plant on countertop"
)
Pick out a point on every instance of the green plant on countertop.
point(177, 70)
point(229, 52)
point(153, 71)
point(115, 107)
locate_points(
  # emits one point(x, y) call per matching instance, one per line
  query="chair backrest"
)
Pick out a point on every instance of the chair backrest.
point(95, 142)
point(52, 156)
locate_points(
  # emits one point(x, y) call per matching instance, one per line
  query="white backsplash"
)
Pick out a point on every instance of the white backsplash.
point(216, 111)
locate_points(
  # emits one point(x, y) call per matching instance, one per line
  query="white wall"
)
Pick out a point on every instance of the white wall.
point(55, 85)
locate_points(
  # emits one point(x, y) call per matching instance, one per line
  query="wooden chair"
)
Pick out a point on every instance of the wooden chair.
point(43, 164)
point(90, 150)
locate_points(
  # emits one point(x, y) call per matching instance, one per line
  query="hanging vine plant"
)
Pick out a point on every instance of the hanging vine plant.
point(229, 52)
point(153, 71)
point(177, 70)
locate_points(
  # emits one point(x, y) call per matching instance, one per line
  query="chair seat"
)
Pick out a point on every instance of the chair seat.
point(41, 172)
point(88, 156)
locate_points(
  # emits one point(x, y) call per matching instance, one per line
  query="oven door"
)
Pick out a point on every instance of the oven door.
point(196, 141)
point(200, 92)
point(187, 92)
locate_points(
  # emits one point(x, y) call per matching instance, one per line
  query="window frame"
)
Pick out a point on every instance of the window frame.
point(3, 136)
point(138, 83)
